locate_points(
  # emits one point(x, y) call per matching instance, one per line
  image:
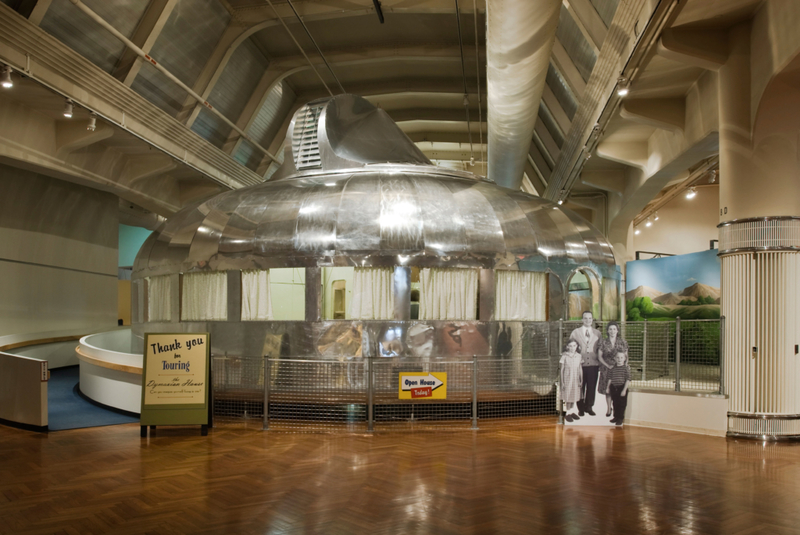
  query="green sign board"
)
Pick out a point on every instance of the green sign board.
point(175, 380)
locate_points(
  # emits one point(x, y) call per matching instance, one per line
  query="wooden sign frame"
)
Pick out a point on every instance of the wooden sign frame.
point(175, 380)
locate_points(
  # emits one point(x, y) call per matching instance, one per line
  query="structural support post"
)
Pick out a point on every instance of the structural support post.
point(677, 354)
point(370, 395)
point(722, 355)
point(266, 392)
point(474, 391)
point(644, 352)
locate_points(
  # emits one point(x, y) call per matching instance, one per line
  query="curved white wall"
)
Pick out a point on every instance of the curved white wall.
point(110, 374)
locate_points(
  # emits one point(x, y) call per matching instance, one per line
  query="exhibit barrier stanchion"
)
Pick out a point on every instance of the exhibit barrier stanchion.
point(677, 354)
point(266, 392)
point(474, 391)
point(370, 406)
point(644, 351)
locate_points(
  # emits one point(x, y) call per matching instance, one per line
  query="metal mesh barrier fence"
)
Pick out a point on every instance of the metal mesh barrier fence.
point(393, 413)
point(314, 393)
point(238, 390)
point(700, 356)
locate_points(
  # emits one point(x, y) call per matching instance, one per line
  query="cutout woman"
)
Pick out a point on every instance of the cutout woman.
point(607, 349)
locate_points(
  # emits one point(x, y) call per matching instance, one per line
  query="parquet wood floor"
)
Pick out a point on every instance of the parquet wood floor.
point(544, 479)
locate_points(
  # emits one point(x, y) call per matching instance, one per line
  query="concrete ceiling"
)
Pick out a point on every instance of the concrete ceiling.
point(161, 155)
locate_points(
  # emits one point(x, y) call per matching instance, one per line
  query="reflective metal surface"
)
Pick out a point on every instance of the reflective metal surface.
point(376, 217)
point(372, 199)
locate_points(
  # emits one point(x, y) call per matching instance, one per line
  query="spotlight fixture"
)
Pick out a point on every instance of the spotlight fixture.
point(622, 87)
point(636, 231)
point(692, 192)
point(92, 123)
point(655, 217)
point(5, 78)
point(560, 201)
point(712, 177)
point(472, 161)
point(649, 223)
point(68, 109)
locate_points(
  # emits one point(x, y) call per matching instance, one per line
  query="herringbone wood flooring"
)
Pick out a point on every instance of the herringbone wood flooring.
point(544, 479)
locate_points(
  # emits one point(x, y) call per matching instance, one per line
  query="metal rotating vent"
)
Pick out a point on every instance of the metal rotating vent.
point(304, 139)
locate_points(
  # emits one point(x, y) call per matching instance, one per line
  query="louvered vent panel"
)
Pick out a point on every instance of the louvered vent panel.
point(304, 139)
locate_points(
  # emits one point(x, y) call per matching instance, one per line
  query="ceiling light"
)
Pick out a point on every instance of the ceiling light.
point(636, 231)
point(68, 109)
point(655, 218)
point(560, 201)
point(713, 177)
point(649, 223)
point(622, 86)
point(92, 123)
point(692, 192)
point(5, 78)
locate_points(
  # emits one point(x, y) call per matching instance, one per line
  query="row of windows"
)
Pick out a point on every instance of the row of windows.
point(348, 293)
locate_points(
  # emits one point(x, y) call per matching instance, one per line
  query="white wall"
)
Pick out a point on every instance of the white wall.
point(706, 415)
point(287, 287)
point(684, 225)
point(58, 255)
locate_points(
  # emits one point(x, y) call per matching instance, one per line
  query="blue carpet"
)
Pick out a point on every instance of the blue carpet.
point(68, 409)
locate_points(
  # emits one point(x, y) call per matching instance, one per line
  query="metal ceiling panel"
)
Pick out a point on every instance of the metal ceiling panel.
point(183, 47)
point(230, 94)
point(576, 45)
point(273, 113)
point(558, 85)
point(75, 29)
point(550, 124)
point(606, 10)
point(248, 155)
point(238, 80)
point(211, 127)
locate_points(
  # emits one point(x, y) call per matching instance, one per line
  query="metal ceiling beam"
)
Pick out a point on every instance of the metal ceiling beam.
point(148, 30)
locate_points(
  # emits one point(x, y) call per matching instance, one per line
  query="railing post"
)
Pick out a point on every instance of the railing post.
point(370, 406)
point(474, 391)
point(266, 392)
point(644, 351)
point(560, 336)
point(678, 354)
point(722, 355)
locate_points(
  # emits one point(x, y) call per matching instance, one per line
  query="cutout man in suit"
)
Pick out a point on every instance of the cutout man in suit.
point(588, 337)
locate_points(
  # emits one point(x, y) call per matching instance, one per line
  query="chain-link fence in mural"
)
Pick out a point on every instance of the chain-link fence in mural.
point(359, 394)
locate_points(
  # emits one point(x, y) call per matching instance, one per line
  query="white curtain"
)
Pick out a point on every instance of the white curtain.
point(448, 294)
point(520, 295)
point(372, 294)
point(256, 299)
point(159, 290)
point(205, 297)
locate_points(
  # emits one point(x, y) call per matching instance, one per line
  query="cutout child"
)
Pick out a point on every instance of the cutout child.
point(571, 377)
point(619, 379)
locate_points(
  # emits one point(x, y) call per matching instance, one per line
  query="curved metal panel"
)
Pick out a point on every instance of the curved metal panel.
point(474, 212)
point(549, 240)
point(401, 218)
point(316, 218)
point(358, 227)
point(275, 234)
point(443, 230)
point(518, 235)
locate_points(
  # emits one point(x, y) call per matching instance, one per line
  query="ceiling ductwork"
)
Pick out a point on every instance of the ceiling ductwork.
point(519, 40)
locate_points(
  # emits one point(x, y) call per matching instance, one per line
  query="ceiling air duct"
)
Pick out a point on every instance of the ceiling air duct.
point(519, 40)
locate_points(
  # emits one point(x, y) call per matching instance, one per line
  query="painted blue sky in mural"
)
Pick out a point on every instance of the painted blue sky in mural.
point(674, 273)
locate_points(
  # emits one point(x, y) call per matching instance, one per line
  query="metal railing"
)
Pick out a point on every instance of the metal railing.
point(361, 393)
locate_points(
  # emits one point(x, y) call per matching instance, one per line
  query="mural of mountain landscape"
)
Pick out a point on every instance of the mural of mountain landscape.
point(685, 286)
